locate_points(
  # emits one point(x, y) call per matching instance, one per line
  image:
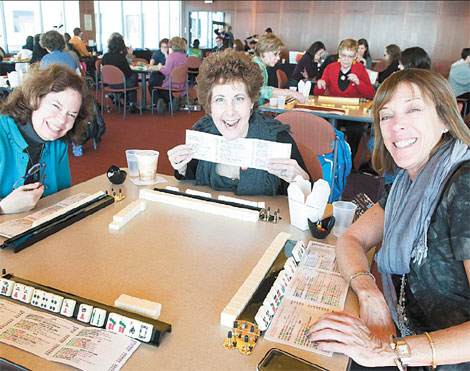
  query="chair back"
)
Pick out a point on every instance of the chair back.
point(380, 66)
point(98, 64)
point(111, 75)
point(194, 62)
point(281, 78)
point(179, 74)
point(313, 135)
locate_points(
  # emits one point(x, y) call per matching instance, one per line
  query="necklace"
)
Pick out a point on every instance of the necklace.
point(403, 322)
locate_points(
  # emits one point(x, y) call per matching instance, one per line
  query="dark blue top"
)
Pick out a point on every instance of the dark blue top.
point(159, 57)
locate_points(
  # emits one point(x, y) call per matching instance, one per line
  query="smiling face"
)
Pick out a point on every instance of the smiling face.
point(271, 58)
point(231, 109)
point(410, 128)
point(346, 58)
point(56, 114)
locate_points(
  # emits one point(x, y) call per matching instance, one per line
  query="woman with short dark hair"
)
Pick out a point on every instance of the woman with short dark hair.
point(307, 67)
point(228, 87)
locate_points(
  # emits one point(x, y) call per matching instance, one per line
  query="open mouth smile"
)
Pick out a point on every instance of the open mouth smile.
point(405, 143)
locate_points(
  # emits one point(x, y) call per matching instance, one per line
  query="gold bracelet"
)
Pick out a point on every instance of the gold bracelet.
point(354, 275)
point(433, 349)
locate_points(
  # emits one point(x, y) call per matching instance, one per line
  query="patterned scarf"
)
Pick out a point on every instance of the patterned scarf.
point(408, 212)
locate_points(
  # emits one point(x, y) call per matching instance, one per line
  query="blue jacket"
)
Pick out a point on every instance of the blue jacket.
point(60, 57)
point(14, 161)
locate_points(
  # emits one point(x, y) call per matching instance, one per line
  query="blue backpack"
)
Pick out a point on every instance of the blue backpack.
point(342, 169)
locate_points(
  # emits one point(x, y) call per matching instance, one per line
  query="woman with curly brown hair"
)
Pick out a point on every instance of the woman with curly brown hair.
point(50, 108)
point(228, 86)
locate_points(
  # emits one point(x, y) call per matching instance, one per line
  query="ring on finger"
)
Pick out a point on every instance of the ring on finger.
point(283, 172)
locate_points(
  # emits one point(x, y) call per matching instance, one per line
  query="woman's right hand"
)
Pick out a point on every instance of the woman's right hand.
point(179, 157)
point(296, 95)
point(22, 199)
point(321, 84)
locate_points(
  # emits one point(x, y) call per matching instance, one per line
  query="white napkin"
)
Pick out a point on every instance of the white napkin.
point(304, 87)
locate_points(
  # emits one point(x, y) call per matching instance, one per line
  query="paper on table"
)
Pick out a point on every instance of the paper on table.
point(61, 340)
point(316, 288)
point(14, 227)
point(252, 153)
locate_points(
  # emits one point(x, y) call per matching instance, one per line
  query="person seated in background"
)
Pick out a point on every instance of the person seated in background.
point(347, 78)
point(50, 108)
point(26, 51)
point(116, 56)
point(195, 51)
point(70, 48)
point(250, 43)
point(238, 46)
point(422, 224)
point(228, 86)
point(129, 49)
point(414, 57)
point(363, 55)
point(160, 55)
point(459, 76)
point(38, 50)
point(78, 43)
point(177, 57)
point(267, 54)
point(54, 43)
point(308, 66)
point(226, 34)
point(219, 47)
point(392, 55)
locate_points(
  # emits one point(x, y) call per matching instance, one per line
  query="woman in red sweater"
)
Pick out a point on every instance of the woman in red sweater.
point(346, 78)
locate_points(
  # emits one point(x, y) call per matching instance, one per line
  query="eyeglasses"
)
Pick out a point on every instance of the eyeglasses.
point(346, 56)
point(36, 172)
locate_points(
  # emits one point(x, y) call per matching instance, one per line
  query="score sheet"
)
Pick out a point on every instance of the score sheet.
point(316, 288)
point(243, 152)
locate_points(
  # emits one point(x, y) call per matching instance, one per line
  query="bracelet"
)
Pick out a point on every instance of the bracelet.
point(354, 275)
point(433, 349)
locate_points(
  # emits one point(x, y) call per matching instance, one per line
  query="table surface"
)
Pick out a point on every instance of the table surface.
point(190, 262)
point(355, 112)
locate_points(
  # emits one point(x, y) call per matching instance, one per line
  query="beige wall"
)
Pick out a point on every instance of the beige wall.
point(442, 28)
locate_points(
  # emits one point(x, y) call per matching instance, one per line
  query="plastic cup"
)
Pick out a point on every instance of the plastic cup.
point(273, 102)
point(293, 88)
point(132, 162)
point(281, 101)
point(147, 161)
point(343, 211)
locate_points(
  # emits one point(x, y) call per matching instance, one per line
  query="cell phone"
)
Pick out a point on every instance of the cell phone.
point(278, 360)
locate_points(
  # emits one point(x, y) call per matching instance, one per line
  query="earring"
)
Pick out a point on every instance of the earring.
point(445, 130)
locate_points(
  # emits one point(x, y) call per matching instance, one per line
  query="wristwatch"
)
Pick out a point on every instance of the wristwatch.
point(402, 350)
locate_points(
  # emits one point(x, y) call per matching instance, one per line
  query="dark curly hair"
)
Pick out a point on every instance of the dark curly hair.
point(52, 40)
point(39, 82)
point(116, 45)
point(226, 67)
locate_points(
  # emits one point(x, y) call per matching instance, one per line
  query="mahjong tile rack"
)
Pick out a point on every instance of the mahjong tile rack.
point(83, 310)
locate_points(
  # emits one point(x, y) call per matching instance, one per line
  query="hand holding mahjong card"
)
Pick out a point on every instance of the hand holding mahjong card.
point(243, 152)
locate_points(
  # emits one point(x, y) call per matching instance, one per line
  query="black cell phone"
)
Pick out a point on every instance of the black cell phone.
point(279, 360)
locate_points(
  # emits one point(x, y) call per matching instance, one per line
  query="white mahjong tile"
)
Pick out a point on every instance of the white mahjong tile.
point(132, 327)
point(17, 291)
point(68, 306)
point(6, 286)
point(123, 324)
point(145, 332)
point(27, 294)
point(37, 296)
point(55, 303)
point(84, 313)
point(44, 300)
point(98, 317)
point(113, 322)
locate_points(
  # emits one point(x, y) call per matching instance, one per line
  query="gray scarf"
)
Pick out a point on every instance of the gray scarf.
point(408, 212)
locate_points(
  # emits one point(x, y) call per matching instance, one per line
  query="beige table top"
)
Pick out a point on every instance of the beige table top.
point(190, 262)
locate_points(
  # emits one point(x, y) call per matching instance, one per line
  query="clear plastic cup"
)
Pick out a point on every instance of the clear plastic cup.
point(132, 162)
point(147, 162)
point(293, 88)
point(343, 211)
point(281, 101)
point(273, 102)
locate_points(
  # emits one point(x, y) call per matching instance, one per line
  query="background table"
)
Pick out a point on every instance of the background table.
point(190, 262)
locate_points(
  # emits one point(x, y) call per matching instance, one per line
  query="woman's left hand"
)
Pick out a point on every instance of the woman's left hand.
point(286, 169)
point(353, 77)
point(342, 332)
